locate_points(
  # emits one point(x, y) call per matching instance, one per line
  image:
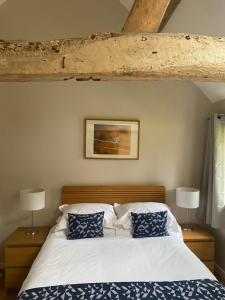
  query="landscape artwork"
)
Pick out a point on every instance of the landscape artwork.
point(111, 139)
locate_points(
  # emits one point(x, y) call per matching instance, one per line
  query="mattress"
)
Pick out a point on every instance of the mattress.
point(108, 266)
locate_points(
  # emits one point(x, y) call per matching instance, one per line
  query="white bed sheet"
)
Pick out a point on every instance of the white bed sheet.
point(113, 259)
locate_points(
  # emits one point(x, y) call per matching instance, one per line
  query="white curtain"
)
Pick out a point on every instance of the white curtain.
point(212, 195)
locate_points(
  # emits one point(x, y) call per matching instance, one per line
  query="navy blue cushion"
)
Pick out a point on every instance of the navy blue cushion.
point(84, 226)
point(149, 224)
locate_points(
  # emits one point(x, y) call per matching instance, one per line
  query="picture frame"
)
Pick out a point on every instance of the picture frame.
point(111, 139)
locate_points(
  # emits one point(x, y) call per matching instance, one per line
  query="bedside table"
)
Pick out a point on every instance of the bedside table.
point(20, 252)
point(202, 244)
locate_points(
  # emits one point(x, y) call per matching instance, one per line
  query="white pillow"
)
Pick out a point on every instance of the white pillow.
point(86, 208)
point(120, 232)
point(123, 213)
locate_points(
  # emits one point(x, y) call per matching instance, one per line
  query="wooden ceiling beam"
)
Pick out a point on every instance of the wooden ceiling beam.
point(115, 57)
point(149, 15)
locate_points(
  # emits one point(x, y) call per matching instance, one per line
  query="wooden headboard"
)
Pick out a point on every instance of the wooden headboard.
point(113, 193)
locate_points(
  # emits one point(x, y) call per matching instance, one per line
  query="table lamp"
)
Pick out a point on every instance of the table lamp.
point(31, 200)
point(188, 198)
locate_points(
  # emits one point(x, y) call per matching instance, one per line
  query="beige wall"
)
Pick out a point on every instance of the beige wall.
point(219, 107)
point(41, 124)
point(41, 137)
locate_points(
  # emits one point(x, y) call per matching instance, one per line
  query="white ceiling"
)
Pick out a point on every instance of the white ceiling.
point(127, 3)
point(205, 17)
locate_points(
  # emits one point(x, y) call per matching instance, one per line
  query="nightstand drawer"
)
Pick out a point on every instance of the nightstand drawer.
point(14, 277)
point(21, 256)
point(204, 250)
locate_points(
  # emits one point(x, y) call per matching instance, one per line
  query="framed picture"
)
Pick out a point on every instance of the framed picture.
point(112, 139)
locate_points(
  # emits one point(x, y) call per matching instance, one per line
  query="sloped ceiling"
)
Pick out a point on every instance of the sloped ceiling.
point(127, 3)
point(205, 17)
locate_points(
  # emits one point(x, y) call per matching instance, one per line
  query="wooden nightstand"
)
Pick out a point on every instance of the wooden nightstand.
point(202, 243)
point(20, 252)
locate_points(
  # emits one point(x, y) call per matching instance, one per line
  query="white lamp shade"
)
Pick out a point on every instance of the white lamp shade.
point(32, 199)
point(187, 197)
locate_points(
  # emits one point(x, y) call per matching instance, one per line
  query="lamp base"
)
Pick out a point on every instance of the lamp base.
point(187, 227)
point(32, 231)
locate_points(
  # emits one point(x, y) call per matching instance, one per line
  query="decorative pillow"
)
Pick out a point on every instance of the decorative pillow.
point(124, 211)
point(86, 208)
point(149, 224)
point(85, 226)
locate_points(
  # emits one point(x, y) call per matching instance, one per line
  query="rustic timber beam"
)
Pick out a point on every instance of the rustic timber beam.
point(115, 57)
point(149, 15)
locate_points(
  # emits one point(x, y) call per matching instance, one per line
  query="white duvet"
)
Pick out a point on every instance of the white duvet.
point(113, 259)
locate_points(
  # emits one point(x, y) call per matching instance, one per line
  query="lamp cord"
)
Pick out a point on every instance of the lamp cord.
point(187, 217)
point(32, 218)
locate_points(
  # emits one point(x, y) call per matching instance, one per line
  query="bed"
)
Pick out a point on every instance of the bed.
point(118, 266)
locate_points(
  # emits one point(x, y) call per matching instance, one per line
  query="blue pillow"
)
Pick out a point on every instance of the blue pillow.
point(84, 226)
point(149, 224)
